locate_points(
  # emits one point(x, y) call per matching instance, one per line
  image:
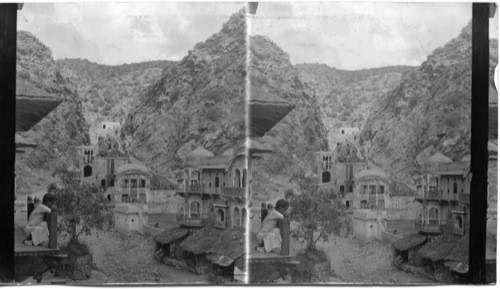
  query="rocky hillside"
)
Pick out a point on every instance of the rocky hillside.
point(428, 112)
point(296, 138)
point(58, 134)
point(199, 101)
point(346, 97)
point(107, 91)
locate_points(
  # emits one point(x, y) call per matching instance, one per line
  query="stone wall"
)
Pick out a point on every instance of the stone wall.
point(164, 201)
point(150, 230)
point(401, 207)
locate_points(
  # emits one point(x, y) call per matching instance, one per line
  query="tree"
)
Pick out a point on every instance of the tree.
point(80, 206)
point(317, 211)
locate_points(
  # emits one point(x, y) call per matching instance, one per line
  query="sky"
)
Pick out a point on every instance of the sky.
point(342, 35)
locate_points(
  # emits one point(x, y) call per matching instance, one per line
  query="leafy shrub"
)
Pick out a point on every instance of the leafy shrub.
point(214, 95)
point(452, 119)
point(413, 101)
point(452, 100)
point(212, 113)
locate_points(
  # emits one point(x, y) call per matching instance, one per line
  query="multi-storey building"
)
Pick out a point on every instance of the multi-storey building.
point(445, 199)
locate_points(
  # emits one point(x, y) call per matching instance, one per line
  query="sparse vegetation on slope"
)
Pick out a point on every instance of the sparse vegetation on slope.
point(107, 91)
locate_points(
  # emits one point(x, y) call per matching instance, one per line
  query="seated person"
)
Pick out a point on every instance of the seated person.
point(37, 230)
point(269, 233)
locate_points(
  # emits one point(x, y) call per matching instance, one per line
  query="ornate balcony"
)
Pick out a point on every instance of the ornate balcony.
point(432, 227)
point(193, 188)
point(233, 192)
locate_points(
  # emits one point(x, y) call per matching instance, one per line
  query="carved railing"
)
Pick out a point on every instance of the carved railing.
point(233, 192)
point(433, 194)
point(465, 198)
point(432, 226)
point(186, 221)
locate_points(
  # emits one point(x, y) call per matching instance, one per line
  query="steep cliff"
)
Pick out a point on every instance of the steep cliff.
point(428, 112)
point(60, 132)
point(199, 101)
point(300, 134)
point(107, 91)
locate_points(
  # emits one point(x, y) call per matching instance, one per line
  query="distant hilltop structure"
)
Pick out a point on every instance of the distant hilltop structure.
point(105, 129)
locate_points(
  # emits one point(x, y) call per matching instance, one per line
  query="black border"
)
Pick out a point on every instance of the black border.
point(479, 145)
point(8, 45)
point(479, 138)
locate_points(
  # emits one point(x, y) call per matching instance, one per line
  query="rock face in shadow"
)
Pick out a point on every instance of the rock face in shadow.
point(428, 112)
point(61, 131)
point(300, 134)
point(199, 101)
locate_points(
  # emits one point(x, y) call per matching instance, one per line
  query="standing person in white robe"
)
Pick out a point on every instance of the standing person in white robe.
point(269, 233)
point(37, 230)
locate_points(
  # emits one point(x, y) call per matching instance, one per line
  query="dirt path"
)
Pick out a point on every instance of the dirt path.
point(356, 262)
point(129, 259)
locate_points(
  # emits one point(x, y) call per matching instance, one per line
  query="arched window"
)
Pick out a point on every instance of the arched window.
point(125, 198)
point(181, 211)
point(87, 171)
point(237, 180)
point(433, 216)
point(195, 210)
point(104, 126)
point(347, 204)
point(216, 182)
point(220, 215)
point(244, 217)
point(244, 178)
point(112, 183)
point(342, 189)
point(109, 198)
point(103, 183)
point(325, 177)
point(459, 222)
point(143, 183)
point(364, 205)
point(342, 131)
point(236, 217)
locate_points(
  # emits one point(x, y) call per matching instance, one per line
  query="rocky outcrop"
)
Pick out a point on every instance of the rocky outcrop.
point(199, 101)
point(428, 112)
point(60, 132)
point(296, 138)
